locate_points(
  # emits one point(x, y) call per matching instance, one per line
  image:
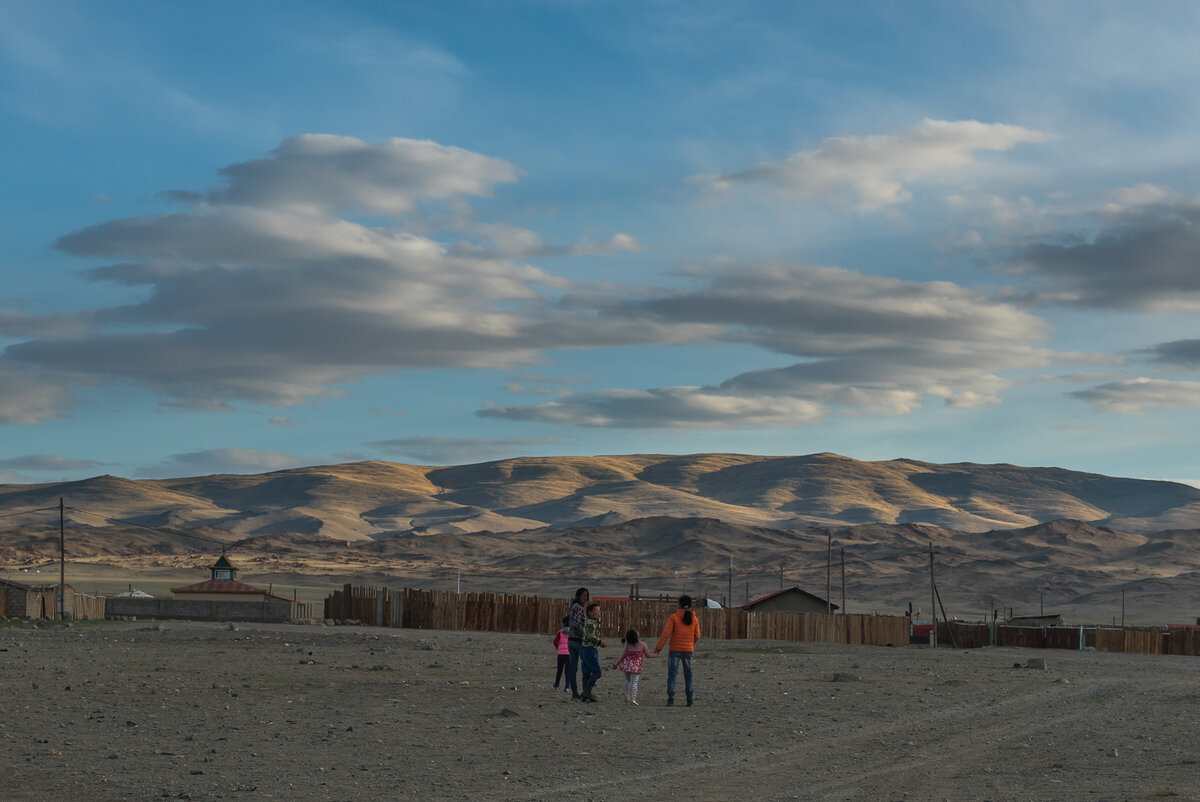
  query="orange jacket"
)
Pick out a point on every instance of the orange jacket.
point(682, 636)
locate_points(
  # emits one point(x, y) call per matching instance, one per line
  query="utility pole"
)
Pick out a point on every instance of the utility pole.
point(1122, 606)
point(747, 591)
point(730, 597)
point(829, 573)
point(843, 580)
point(62, 560)
point(781, 574)
point(932, 598)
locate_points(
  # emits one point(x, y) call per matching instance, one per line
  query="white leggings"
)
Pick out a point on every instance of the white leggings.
point(631, 682)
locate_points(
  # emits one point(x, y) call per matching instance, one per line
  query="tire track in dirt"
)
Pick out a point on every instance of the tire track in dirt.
point(964, 733)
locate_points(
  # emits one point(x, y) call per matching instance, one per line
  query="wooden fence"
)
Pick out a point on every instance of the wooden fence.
point(1132, 640)
point(302, 611)
point(488, 612)
point(88, 607)
point(377, 606)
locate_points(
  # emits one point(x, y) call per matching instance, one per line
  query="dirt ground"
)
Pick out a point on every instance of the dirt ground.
point(142, 710)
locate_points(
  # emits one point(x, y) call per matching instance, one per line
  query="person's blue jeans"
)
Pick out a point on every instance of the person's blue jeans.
point(573, 663)
point(674, 660)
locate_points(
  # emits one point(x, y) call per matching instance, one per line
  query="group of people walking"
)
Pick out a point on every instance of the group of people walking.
point(579, 644)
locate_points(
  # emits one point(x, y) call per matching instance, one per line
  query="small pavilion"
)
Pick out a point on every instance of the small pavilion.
point(222, 586)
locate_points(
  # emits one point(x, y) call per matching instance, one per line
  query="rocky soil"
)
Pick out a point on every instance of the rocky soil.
point(140, 710)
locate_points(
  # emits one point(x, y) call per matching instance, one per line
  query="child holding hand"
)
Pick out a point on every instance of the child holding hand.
point(630, 662)
point(589, 652)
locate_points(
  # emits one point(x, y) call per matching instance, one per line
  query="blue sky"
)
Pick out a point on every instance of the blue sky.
point(248, 236)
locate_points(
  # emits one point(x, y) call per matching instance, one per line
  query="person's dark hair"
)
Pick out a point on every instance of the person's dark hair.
point(685, 604)
point(579, 594)
point(593, 606)
point(631, 637)
point(566, 620)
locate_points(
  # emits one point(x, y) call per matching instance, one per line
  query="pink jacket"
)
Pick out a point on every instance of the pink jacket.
point(560, 641)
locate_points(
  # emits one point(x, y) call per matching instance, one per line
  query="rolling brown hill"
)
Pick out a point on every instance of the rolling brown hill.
point(1004, 536)
point(370, 500)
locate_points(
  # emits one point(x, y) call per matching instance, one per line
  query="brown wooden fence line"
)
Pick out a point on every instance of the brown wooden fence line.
point(487, 612)
point(302, 611)
point(374, 606)
point(1134, 640)
point(88, 607)
point(1182, 641)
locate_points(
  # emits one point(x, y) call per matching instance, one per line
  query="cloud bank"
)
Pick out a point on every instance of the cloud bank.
point(1142, 256)
point(1134, 396)
point(869, 344)
point(261, 292)
point(873, 170)
point(225, 460)
point(272, 289)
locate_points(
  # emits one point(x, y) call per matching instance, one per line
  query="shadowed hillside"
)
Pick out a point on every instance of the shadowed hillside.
point(370, 500)
point(1085, 572)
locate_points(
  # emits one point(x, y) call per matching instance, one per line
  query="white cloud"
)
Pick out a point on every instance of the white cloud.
point(322, 173)
point(32, 395)
point(512, 242)
point(671, 407)
point(259, 292)
point(875, 169)
point(1133, 396)
point(279, 420)
point(48, 462)
point(224, 460)
point(869, 344)
point(1143, 195)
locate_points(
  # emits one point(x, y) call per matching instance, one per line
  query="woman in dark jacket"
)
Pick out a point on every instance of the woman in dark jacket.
point(575, 619)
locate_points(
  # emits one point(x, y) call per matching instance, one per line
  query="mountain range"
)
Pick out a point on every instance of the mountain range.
point(1003, 535)
point(372, 500)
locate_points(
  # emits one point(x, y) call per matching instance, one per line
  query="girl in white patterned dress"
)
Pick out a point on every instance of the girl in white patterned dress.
point(630, 662)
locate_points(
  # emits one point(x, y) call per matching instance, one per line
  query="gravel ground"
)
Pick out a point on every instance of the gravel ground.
point(140, 710)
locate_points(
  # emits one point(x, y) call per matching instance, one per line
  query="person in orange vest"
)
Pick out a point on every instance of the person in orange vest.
point(682, 631)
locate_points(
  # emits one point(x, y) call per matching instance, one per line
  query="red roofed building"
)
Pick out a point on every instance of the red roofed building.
point(223, 586)
point(222, 597)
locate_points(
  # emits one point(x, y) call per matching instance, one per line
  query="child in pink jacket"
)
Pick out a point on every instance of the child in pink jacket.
point(564, 655)
point(630, 662)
